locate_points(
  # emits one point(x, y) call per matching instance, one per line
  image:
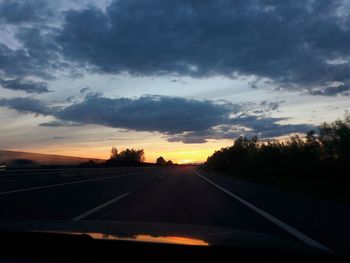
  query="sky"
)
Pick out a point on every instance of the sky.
point(179, 79)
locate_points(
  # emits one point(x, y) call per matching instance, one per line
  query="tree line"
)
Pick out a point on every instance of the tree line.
point(127, 157)
point(322, 153)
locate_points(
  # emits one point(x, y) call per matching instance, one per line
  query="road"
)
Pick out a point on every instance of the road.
point(172, 195)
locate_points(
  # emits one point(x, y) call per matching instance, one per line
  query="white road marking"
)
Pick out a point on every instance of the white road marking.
point(61, 184)
point(304, 238)
point(161, 177)
point(87, 213)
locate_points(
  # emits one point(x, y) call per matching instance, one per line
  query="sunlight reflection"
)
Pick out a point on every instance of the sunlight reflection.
point(152, 239)
point(172, 240)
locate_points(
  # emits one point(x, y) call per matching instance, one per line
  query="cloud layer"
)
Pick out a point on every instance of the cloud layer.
point(299, 45)
point(149, 113)
point(26, 105)
point(179, 119)
point(291, 43)
point(24, 85)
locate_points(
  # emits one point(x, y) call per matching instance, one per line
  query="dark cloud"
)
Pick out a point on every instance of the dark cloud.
point(299, 45)
point(54, 124)
point(271, 105)
point(266, 107)
point(84, 90)
point(148, 113)
point(70, 99)
point(19, 63)
point(263, 127)
point(39, 59)
point(24, 11)
point(179, 119)
point(26, 105)
point(293, 43)
point(24, 85)
point(268, 127)
point(168, 115)
point(37, 54)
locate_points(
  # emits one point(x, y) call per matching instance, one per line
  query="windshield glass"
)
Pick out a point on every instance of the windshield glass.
point(228, 114)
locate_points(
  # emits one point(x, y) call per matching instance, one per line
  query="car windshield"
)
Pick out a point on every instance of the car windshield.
point(199, 118)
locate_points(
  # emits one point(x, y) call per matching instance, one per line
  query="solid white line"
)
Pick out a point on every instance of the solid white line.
point(61, 184)
point(87, 213)
point(307, 240)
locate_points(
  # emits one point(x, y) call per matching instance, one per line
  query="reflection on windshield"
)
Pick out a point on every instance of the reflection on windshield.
point(170, 240)
point(153, 239)
point(143, 238)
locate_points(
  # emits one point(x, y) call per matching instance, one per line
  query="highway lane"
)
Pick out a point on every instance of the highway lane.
point(182, 197)
point(63, 200)
point(326, 222)
point(171, 195)
point(12, 180)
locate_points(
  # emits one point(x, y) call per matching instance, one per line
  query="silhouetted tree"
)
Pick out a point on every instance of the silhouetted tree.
point(160, 161)
point(114, 153)
point(126, 157)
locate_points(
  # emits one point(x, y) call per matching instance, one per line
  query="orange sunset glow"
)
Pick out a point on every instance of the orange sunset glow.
point(177, 152)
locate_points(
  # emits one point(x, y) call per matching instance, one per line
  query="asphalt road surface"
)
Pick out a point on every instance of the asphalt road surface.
point(172, 195)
